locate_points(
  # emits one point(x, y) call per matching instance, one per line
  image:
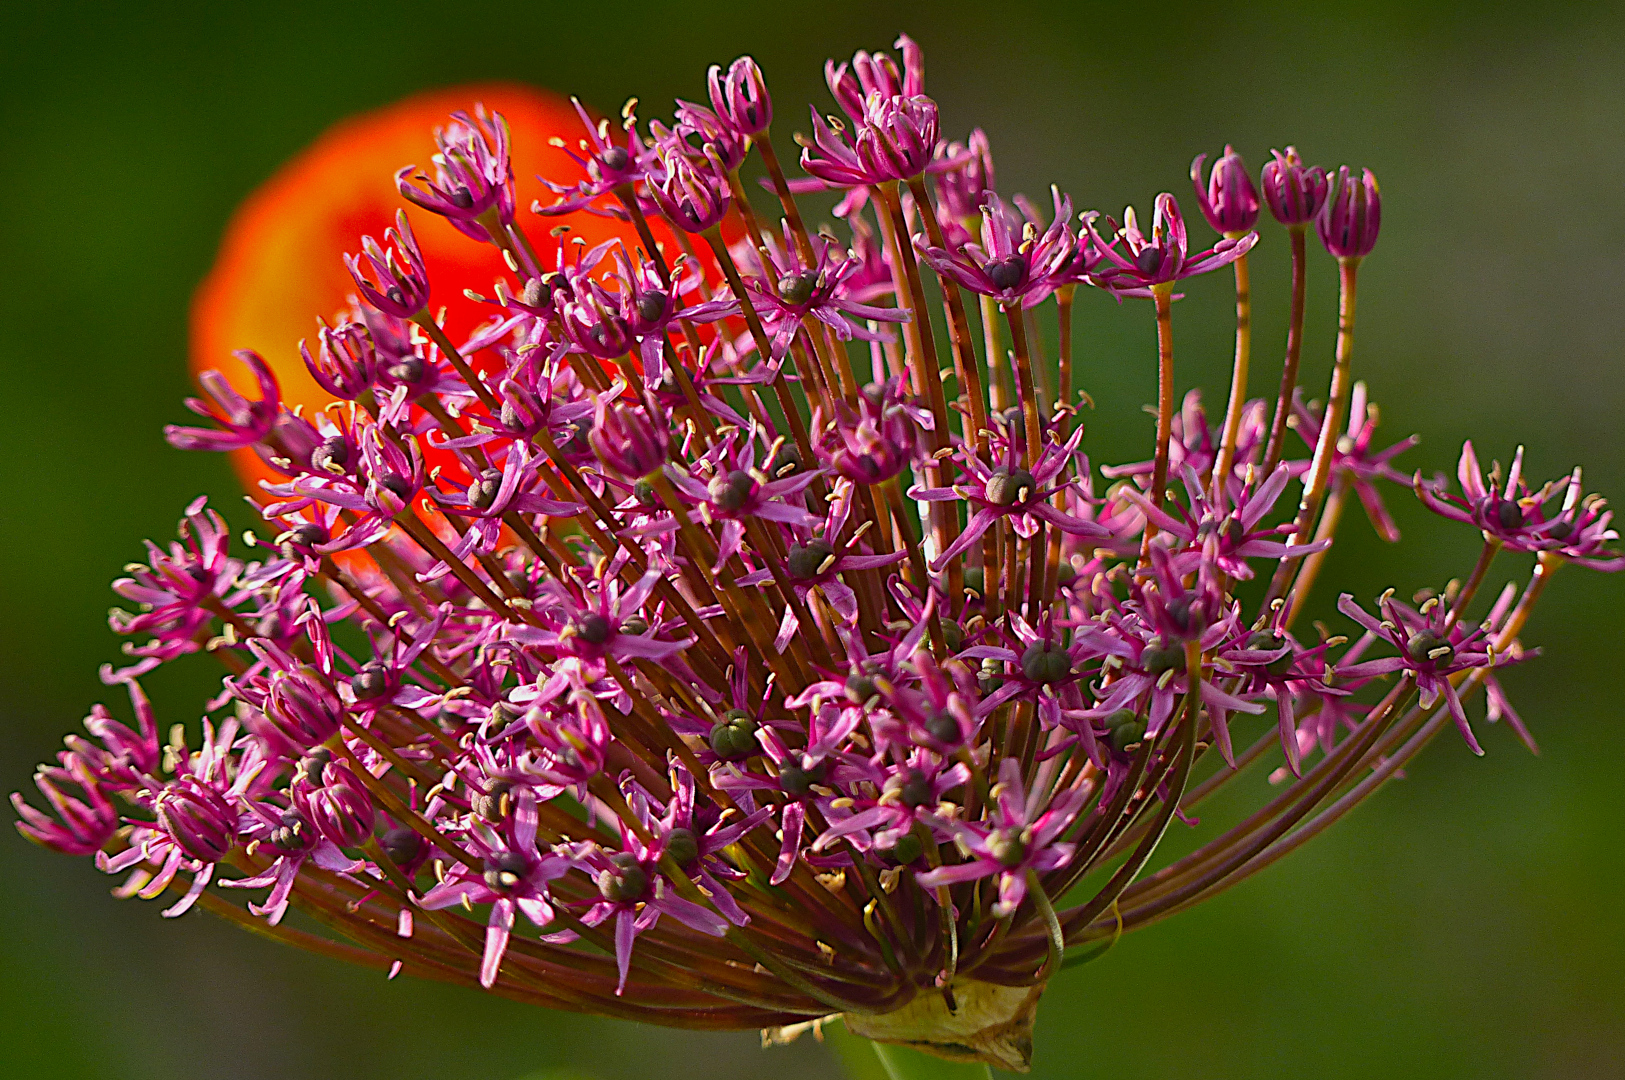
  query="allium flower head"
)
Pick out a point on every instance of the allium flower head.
point(715, 614)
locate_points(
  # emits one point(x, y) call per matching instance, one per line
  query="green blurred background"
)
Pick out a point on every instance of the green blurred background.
point(1465, 924)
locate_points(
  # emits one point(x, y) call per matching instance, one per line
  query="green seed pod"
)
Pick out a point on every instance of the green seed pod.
point(1006, 488)
point(1160, 658)
point(682, 846)
point(1043, 665)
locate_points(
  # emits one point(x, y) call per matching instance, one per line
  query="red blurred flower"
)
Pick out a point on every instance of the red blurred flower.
point(281, 265)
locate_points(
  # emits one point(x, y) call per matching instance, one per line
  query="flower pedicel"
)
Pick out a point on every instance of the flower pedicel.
point(709, 640)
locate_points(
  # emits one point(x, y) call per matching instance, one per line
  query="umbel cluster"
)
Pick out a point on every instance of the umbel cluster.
point(732, 631)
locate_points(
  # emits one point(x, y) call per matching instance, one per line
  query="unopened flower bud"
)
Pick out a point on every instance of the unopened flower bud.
point(300, 711)
point(626, 441)
point(341, 809)
point(1229, 202)
point(1349, 221)
point(739, 97)
point(198, 819)
point(692, 196)
point(1293, 192)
